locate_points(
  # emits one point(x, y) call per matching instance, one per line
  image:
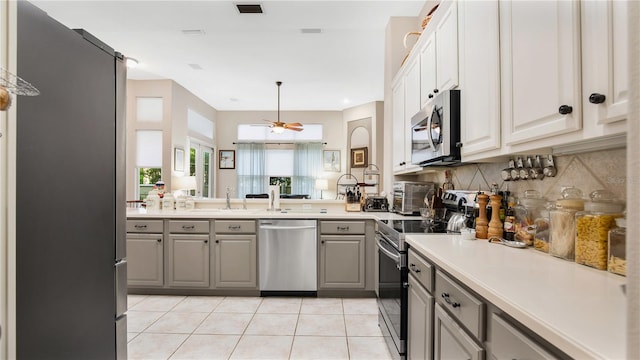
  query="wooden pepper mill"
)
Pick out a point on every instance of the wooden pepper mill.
point(495, 225)
point(482, 223)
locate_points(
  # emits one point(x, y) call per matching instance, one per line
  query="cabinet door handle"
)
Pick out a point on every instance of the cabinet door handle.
point(322, 242)
point(234, 227)
point(206, 241)
point(159, 240)
point(343, 228)
point(217, 241)
point(565, 109)
point(188, 227)
point(596, 98)
point(435, 91)
point(447, 299)
point(430, 96)
point(140, 227)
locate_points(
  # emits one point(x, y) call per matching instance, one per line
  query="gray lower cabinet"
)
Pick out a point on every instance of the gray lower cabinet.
point(342, 255)
point(451, 341)
point(187, 254)
point(188, 264)
point(420, 341)
point(145, 253)
point(145, 260)
point(507, 342)
point(236, 254)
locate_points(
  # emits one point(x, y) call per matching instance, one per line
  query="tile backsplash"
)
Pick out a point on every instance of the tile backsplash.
point(587, 171)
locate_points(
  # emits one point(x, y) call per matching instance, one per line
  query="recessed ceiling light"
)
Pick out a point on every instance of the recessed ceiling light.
point(346, 101)
point(311, 31)
point(195, 66)
point(131, 62)
point(249, 8)
point(193, 32)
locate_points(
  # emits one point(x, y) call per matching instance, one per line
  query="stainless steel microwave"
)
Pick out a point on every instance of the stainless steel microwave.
point(435, 131)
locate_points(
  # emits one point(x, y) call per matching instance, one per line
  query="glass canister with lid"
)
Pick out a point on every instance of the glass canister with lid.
point(617, 263)
point(562, 223)
point(529, 207)
point(592, 228)
point(541, 239)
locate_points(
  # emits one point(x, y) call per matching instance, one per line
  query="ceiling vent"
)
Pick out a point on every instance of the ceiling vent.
point(195, 66)
point(193, 32)
point(249, 8)
point(311, 31)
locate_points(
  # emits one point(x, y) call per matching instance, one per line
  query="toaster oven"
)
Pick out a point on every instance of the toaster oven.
point(408, 196)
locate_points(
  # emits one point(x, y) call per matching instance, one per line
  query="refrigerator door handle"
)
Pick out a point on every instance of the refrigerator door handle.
point(120, 269)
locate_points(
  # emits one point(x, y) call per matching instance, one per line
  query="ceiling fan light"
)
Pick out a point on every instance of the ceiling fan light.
point(278, 129)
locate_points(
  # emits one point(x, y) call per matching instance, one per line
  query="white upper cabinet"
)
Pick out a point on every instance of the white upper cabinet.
point(605, 66)
point(479, 76)
point(447, 47)
point(439, 52)
point(398, 123)
point(428, 69)
point(411, 106)
point(406, 103)
point(540, 69)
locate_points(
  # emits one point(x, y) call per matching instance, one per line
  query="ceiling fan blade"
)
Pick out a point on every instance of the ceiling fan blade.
point(294, 124)
point(294, 128)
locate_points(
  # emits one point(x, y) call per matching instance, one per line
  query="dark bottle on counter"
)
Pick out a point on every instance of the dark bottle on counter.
point(509, 222)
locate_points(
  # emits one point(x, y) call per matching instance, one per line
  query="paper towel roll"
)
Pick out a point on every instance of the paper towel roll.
point(274, 197)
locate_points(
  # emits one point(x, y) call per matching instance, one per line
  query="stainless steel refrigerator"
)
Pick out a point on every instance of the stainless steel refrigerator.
point(70, 204)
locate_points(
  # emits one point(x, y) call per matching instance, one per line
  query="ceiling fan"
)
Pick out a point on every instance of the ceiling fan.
point(279, 126)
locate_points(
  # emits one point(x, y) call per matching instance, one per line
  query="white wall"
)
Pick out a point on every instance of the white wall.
point(227, 133)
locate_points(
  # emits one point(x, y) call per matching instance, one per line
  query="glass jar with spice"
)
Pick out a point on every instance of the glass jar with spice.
point(562, 223)
point(592, 228)
point(617, 263)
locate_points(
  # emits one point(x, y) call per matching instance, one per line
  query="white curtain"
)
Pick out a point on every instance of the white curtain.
point(307, 167)
point(250, 164)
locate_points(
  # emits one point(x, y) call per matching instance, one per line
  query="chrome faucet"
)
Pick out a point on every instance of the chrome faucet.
point(228, 199)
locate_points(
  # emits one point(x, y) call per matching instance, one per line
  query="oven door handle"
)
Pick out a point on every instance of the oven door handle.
point(393, 256)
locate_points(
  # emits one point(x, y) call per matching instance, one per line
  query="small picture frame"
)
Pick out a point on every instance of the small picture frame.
point(178, 159)
point(331, 160)
point(227, 159)
point(359, 157)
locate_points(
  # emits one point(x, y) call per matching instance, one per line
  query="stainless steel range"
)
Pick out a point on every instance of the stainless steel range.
point(393, 277)
point(392, 262)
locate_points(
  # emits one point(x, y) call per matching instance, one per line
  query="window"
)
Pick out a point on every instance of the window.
point(148, 161)
point(284, 182)
point(293, 165)
point(200, 166)
point(147, 178)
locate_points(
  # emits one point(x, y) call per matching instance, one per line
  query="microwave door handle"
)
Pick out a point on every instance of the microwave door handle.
point(429, 130)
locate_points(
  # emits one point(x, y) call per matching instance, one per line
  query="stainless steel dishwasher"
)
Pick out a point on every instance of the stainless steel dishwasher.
point(288, 257)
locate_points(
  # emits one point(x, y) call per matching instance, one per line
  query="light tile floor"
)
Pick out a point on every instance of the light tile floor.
point(210, 327)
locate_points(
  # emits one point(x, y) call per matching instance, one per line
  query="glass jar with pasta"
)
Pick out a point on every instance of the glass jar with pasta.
point(561, 223)
point(592, 228)
point(617, 262)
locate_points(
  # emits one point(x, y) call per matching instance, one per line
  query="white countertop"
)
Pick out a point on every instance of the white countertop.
point(580, 310)
point(262, 214)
